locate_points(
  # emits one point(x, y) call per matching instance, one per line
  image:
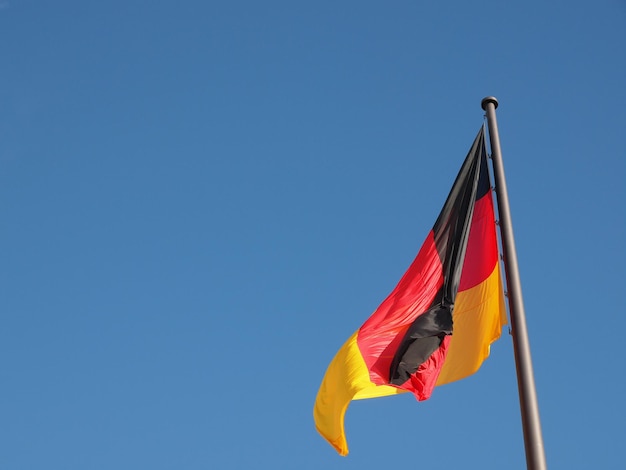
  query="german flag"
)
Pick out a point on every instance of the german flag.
point(438, 323)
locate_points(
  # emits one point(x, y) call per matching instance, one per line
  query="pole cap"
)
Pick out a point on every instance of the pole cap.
point(487, 100)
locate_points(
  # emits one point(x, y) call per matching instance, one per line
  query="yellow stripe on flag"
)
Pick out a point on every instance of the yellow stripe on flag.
point(479, 315)
point(346, 379)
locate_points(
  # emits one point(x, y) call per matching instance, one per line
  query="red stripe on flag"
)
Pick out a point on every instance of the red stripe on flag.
point(381, 334)
point(482, 246)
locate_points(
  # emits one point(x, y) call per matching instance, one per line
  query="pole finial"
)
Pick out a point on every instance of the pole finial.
point(489, 99)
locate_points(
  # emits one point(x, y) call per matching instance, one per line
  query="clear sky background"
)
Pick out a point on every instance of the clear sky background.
point(200, 201)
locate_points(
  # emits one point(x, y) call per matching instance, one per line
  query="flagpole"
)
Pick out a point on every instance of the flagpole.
point(533, 441)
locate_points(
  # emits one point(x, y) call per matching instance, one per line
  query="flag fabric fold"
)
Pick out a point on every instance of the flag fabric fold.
point(438, 323)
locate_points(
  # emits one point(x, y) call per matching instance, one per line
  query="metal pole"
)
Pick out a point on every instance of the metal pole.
point(533, 441)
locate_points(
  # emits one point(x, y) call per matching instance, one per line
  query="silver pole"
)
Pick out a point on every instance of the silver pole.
point(533, 441)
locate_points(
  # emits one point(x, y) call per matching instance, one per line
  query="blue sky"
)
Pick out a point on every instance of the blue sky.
point(200, 201)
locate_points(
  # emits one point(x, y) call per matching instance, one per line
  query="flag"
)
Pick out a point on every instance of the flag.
point(438, 323)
